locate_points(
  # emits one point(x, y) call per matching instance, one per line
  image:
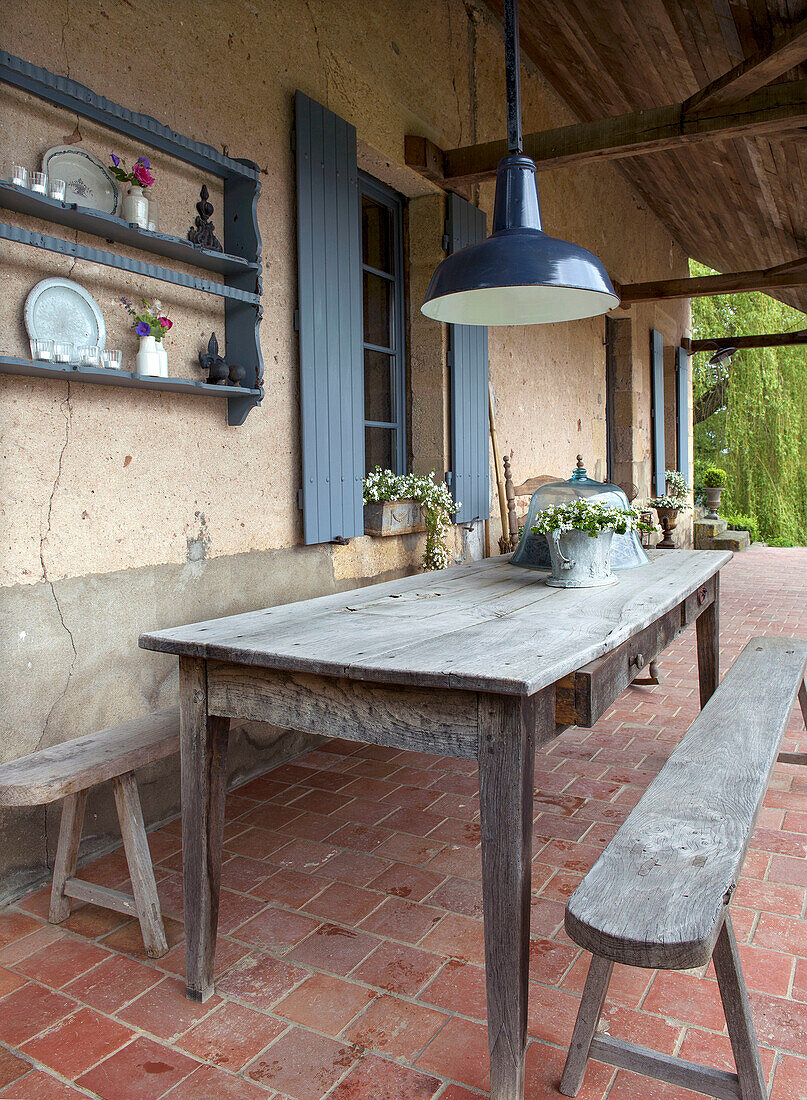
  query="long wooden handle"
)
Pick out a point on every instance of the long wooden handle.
point(496, 460)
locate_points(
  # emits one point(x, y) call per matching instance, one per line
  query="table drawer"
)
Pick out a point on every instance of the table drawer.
point(584, 696)
point(699, 600)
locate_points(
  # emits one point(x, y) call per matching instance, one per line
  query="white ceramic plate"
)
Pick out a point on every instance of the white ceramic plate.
point(89, 183)
point(59, 309)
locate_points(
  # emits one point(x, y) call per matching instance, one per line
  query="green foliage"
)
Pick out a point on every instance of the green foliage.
point(439, 507)
point(739, 522)
point(677, 495)
point(715, 478)
point(580, 515)
point(758, 432)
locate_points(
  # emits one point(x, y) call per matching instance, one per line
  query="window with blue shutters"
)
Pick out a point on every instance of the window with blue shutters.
point(383, 309)
point(468, 361)
point(682, 410)
point(657, 410)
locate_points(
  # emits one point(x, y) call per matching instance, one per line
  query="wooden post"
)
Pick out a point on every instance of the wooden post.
point(738, 1015)
point(141, 872)
point(507, 737)
point(510, 496)
point(203, 746)
point(494, 439)
point(64, 867)
point(588, 1016)
point(707, 627)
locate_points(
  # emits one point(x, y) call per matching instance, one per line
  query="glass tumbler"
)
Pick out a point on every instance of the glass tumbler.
point(63, 352)
point(43, 350)
point(19, 175)
point(57, 190)
point(39, 182)
point(112, 359)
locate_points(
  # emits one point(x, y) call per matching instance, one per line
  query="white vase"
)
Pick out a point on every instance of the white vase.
point(136, 207)
point(148, 357)
point(154, 211)
point(163, 356)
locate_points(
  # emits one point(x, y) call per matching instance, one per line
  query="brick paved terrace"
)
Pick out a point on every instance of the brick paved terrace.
point(350, 957)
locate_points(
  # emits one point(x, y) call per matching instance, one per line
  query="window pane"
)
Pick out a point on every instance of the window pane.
point(376, 234)
point(378, 447)
point(377, 313)
point(377, 386)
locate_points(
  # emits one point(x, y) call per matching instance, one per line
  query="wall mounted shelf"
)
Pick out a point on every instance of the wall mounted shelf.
point(63, 372)
point(240, 265)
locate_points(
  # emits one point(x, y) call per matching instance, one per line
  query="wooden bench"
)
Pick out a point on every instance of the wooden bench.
point(658, 896)
point(68, 771)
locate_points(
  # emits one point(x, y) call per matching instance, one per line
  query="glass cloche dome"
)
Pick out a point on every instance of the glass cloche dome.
point(533, 551)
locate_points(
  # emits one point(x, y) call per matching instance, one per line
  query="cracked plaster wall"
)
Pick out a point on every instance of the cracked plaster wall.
point(123, 510)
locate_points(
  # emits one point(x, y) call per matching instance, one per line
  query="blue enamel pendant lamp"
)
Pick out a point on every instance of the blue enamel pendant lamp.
point(519, 275)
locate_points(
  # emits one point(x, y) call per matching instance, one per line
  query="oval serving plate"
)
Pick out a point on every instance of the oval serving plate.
point(59, 309)
point(88, 181)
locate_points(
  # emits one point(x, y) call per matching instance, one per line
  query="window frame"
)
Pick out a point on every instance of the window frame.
point(380, 193)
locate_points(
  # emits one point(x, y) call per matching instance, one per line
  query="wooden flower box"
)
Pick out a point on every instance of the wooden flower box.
point(394, 517)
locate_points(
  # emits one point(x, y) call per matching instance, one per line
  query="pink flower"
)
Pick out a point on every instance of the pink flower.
point(165, 323)
point(142, 175)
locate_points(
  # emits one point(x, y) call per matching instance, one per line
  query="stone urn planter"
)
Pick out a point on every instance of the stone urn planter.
point(713, 500)
point(394, 517)
point(580, 560)
point(668, 518)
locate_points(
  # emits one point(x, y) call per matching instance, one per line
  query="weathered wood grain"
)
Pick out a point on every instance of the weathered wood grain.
point(64, 866)
point(738, 1015)
point(656, 896)
point(518, 639)
point(707, 627)
point(138, 857)
point(588, 1016)
point(423, 719)
point(666, 1067)
point(103, 896)
point(203, 747)
point(509, 731)
point(83, 762)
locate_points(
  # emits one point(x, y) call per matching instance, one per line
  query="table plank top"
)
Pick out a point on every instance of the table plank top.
point(482, 626)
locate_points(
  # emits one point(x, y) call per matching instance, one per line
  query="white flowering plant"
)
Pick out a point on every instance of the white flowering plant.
point(593, 518)
point(438, 505)
point(677, 495)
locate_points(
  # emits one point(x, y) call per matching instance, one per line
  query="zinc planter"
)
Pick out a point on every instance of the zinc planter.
point(394, 517)
point(580, 561)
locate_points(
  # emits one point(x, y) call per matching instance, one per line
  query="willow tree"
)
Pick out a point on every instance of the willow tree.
point(751, 416)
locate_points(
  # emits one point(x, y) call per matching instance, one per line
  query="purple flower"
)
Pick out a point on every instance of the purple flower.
point(115, 160)
point(142, 160)
point(142, 329)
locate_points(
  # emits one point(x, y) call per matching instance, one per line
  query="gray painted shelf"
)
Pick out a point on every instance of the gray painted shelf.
point(106, 377)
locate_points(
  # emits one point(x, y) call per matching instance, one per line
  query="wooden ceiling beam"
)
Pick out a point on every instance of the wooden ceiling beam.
point(763, 340)
point(706, 286)
point(654, 130)
point(785, 52)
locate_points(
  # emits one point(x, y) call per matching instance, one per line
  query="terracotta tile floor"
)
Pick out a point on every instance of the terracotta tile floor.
point(350, 960)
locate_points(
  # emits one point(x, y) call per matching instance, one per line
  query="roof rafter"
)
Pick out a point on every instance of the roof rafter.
point(761, 340)
point(705, 286)
point(655, 129)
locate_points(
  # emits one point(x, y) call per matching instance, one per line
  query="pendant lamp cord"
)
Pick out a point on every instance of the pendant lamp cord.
point(512, 63)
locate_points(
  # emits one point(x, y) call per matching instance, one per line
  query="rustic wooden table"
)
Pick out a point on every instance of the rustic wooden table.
point(481, 661)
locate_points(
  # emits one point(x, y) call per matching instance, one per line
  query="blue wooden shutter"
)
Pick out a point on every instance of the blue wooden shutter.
point(682, 409)
point(657, 410)
point(330, 323)
point(468, 360)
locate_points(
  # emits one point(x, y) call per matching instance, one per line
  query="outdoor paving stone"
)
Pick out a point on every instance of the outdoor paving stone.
point(256, 843)
point(398, 968)
point(61, 962)
point(113, 983)
point(242, 874)
point(292, 888)
point(143, 1070)
point(39, 1085)
point(310, 826)
point(544, 1069)
point(356, 868)
point(9, 981)
point(303, 855)
point(236, 909)
point(459, 987)
point(457, 937)
point(28, 945)
point(260, 980)
point(782, 934)
point(384, 1080)
point(231, 1036)
point(627, 987)
point(409, 849)
point(710, 1049)
point(459, 1052)
point(227, 953)
point(789, 1079)
point(29, 1010)
point(403, 881)
point(685, 997)
point(343, 902)
point(640, 1027)
point(334, 948)
point(459, 860)
point(397, 1028)
point(208, 1081)
point(459, 896)
point(780, 1023)
point(14, 926)
point(11, 1067)
point(275, 929)
point(402, 920)
point(165, 1011)
point(549, 960)
point(77, 1042)
point(324, 1003)
point(551, 1013)
point(364, 811)
point(302, 1065)
point(128, 938)
point(799, 991)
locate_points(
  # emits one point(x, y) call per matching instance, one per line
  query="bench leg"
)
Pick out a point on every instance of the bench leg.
point(141, 871)
point(588, 1016)
point(64, 867)
point(738, 1015)
point(707, 629)
point(803, 701)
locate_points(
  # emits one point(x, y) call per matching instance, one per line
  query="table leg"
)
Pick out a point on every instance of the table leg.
point(707, 627)
point(507, 739)
point(203, 743)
